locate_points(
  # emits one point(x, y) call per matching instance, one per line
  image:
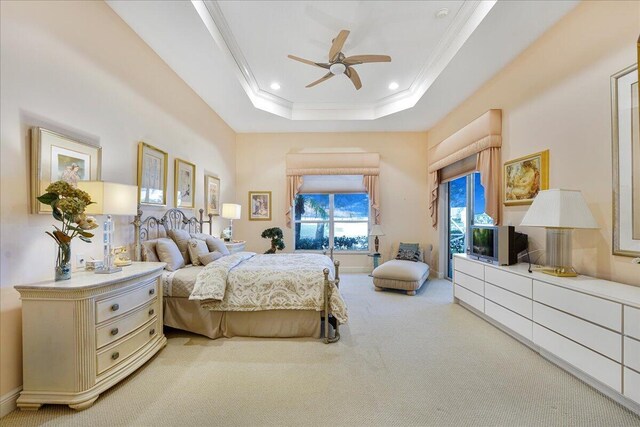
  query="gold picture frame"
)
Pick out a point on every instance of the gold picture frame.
point(153, 164)
point(184, 184)
point(625, 147)
point(523, 178)
point(212, 195)
point(58, 157)
point(259, 206)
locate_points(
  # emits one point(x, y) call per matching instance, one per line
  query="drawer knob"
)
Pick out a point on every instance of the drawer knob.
point(114, 331)
point(152, 331)
point(115, 355)
point(152, 291)
point(115, 307)
point(151, 311)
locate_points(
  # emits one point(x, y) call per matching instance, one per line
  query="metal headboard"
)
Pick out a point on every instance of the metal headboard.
point(174, 219)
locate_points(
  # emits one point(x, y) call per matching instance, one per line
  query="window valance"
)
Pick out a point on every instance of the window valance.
point(481, 138)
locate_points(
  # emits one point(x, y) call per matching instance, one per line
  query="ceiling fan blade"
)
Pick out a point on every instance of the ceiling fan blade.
point(338, 43)
point(362, 59)
point(325, 77)
point(306, 61)
point(354, 77)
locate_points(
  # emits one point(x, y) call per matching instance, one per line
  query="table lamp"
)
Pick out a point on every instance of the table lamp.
point(559, 211)
point(376, 231)
point(230, 211)
point(110, 199)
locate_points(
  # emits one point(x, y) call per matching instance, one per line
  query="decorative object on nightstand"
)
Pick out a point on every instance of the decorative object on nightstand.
point(110, 199)
point(559, 211)
point(68, 206)
point(275, 234)
point(235, 246)
point(84, 336)
point(230, 211)
point(376, 231)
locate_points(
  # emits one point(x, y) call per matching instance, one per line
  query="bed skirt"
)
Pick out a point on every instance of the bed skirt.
point(182, 313)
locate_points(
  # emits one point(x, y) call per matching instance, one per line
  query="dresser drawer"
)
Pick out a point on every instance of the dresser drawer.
point(632, 353)
point(595, 365)
point(469, 267)
point(593, 309)
point(597, 338)
point(511, 320)
point(509, 281)
point(474, 300)
point(513, 302)
point(116, 354)
point(469, 282)
point(112, 331)
point(632, 384)
point(121, 304)
point(632, 322)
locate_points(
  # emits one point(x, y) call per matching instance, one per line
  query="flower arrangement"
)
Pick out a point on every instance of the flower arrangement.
point(68, 205)
point(275, 234)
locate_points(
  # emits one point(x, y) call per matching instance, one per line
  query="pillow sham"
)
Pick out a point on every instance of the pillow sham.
point(409, 252)
point(212, 243)
point(168, 252)
point(197, 248)
point(210, 257)
point(181, 237)
point(148, 251)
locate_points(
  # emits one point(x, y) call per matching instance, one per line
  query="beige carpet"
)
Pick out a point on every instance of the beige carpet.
point(402, 361)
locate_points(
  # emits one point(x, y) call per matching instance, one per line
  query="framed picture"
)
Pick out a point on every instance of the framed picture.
point(625, 125)
point(152, 175)
point(524, 177)
point(259, 205)
point(57, 157)
point(212, 195)
point(185, 184)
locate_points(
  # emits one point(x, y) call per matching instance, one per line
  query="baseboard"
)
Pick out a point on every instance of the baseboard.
point(355, 269)
point(8, 401)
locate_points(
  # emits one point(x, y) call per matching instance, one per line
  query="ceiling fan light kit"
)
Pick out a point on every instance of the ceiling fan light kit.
point(341, 64)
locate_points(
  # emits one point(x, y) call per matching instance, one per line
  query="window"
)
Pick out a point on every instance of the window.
point(340, 221)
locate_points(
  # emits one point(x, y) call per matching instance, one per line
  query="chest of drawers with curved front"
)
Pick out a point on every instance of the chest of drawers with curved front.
point(82, 336)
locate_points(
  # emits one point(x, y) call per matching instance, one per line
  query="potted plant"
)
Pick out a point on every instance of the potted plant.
point(275, 234)
point(68, 205)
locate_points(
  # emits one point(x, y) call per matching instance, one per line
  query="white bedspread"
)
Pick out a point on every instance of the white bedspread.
point(246, 281)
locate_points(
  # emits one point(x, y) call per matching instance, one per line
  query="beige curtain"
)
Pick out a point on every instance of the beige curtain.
point(294, 182)
point(434, 181)
point(371, 183)
point(489, 164)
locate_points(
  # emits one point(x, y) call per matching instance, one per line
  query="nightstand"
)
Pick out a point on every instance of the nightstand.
point(83, 335)
point(236, 246)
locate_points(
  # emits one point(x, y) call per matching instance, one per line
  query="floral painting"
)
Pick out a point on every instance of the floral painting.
point(212, 194)
point(525, 177)
point(185, 184)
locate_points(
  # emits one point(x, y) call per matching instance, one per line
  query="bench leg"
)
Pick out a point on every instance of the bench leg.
point(379, 289)
point(411, 293)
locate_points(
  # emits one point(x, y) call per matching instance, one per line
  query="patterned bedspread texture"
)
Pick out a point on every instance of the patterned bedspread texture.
point(246, 281)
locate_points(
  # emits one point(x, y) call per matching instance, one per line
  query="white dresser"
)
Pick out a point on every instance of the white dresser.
point(83, 335)
point(589, 327)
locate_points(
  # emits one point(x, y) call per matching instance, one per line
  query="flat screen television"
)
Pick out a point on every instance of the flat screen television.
point(500, 244)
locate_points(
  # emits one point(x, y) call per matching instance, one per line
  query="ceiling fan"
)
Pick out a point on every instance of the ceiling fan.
point(341, 64)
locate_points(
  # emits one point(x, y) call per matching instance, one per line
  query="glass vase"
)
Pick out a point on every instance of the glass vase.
point(63, 262)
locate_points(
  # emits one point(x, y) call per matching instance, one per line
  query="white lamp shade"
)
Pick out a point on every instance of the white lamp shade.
point(231, 211)
point(110, 198)
point(376, 230)
point(560, 209)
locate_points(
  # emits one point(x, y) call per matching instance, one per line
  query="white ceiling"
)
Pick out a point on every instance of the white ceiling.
point(230, 52)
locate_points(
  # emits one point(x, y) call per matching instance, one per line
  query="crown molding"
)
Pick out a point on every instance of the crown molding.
point(468, 18)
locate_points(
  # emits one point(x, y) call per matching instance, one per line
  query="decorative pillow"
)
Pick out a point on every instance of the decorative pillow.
point(197, 248)
point(409, 252)
point(181, 237)
point(210, 257)
point(148, 252)
point(212, 243)
point(168, 252)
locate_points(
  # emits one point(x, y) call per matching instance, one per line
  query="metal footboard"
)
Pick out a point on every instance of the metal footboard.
point(327, 306)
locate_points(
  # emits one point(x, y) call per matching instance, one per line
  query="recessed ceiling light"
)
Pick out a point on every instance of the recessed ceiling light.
point(275, 86)
point(442, 12)
point(393, 85)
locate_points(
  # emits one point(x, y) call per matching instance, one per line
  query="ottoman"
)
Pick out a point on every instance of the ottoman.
point(400, 274)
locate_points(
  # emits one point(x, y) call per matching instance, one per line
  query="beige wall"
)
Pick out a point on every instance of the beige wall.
point(403, 182)
point(556, 96)
point(76, 66)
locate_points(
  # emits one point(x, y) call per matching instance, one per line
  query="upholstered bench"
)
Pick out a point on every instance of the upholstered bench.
point(400, 274)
